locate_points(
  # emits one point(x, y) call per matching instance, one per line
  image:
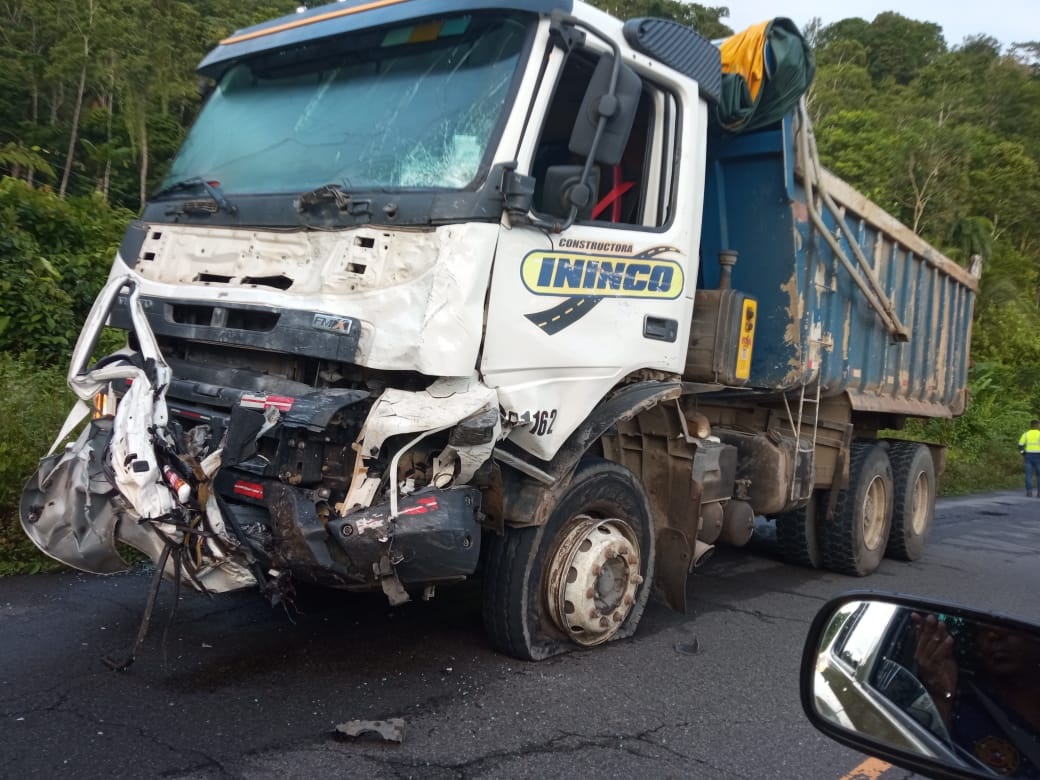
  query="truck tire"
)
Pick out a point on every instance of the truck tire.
point(854, 541)
point(913, 477)
point(797, 534)
point(581, 579)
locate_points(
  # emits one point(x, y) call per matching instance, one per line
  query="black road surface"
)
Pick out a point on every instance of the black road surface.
point(233, 688)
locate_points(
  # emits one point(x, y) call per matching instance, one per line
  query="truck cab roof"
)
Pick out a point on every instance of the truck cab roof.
point(344, 17)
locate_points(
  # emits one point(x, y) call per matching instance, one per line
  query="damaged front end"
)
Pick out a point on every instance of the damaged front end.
point(226, 485)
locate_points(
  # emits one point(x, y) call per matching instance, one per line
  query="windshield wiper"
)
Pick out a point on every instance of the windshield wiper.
point(333, 193)
point(211, 188)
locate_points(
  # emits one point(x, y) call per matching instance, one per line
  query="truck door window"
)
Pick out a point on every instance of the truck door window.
point(637, 191)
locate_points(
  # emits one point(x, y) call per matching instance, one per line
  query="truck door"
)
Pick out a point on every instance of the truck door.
point(572, 313)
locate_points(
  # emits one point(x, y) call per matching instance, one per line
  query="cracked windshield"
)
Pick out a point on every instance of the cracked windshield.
point(407, 107)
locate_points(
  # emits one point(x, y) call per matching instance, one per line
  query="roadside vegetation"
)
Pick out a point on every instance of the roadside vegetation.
point(945, 135)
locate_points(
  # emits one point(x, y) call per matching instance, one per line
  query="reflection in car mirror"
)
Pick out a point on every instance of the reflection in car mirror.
point(936, 688)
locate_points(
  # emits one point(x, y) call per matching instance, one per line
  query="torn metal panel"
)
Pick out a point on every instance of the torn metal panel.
point(66, 508)
point(109, 485)
point(445, 403)
point(414, 296)
point(303, 262)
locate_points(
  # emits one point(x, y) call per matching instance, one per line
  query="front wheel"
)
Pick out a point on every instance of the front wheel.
point(854, 541)
point(580, 580)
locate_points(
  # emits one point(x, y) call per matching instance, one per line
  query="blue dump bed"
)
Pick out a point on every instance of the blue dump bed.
point(889, 325)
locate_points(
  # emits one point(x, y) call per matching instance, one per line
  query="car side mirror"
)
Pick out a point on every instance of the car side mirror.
point(930, 686)
point(617, 109)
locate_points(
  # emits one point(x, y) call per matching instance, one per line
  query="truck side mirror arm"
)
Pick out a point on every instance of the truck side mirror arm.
point(517, 193)
point(606, 116)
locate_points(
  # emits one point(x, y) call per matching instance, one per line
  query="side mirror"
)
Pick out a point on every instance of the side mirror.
point(929, 686)
point(618, 109)
point(564, 188)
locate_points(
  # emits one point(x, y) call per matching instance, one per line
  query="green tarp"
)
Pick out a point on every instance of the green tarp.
point(789, 67)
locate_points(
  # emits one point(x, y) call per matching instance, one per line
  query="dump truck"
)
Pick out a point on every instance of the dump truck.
point(451, 289)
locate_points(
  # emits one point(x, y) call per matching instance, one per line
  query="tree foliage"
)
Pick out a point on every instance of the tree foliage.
point(54, 257)
point(708, 21)
point(33, 402)
point(100, 91)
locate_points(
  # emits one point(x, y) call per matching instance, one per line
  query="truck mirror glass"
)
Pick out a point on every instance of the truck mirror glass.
point(563, 189)
point(619, 110)
point(921, 683)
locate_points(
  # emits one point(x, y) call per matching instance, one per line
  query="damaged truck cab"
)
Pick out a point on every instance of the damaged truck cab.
point(421, 298)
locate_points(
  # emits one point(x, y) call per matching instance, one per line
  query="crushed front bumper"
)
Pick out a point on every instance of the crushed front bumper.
point(127, 480)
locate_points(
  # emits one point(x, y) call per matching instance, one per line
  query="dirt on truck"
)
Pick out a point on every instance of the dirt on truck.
point(516, 291)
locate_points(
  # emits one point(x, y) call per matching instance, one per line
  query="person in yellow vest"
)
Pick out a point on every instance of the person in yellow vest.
point(1029, 446)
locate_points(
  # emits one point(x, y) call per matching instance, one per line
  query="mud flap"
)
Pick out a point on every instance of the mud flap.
point(672, 567)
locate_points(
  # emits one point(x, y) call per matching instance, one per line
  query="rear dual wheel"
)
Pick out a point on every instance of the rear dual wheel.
point(913, 475)
point(580, 580)
point(854, 541)
point(887, 510)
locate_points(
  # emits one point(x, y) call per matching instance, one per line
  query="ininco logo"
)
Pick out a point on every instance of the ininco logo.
point(586, 280)
point(565, 273)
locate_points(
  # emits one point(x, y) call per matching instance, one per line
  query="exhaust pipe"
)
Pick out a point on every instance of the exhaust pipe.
point(701, 552)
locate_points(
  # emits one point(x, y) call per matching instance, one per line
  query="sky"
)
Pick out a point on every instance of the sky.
point(1009, 21)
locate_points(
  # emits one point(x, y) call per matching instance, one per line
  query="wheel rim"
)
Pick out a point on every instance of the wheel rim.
point(875, 506)
point(593, 577)
point(919, 504)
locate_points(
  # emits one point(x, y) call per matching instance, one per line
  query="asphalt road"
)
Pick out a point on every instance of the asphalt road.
point(231, 688)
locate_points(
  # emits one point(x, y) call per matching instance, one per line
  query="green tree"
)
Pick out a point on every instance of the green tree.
point(900, 47)
point(29, 31)
point(153, 77)
point(1002, 181)
point(856, 145)
point(20, 160)
point(54, 257)
point(853, 29)
point(842, 80)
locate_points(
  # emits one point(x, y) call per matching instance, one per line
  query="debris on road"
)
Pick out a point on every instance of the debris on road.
point(390, 730)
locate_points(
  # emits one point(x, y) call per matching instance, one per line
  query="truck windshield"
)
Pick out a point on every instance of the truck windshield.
point(408, 107)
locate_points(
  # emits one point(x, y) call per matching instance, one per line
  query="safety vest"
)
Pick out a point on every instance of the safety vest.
point(1030, 440)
